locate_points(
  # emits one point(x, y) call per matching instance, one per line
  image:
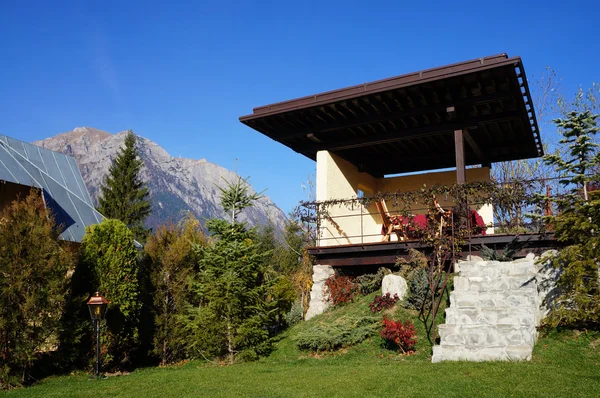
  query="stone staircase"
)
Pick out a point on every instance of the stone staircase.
point(494, 311)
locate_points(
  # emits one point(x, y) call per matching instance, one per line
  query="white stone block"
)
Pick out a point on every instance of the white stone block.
point(318, 304)
point(394, 284)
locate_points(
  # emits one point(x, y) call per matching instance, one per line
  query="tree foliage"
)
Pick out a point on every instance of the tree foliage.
point(108, 250)
point(577, 302)
point(124, 196)
point(235, 307)
point(235, 197)
point(33, 285)
point(172, 264)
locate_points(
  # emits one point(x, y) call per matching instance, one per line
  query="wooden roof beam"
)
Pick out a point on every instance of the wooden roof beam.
point(405, 134)
point(473, 145)
point(369, 119)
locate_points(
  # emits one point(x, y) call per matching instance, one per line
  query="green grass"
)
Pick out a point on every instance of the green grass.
point(564, 364)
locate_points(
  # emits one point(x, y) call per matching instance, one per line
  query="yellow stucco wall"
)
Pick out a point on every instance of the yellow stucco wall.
point(353, 223)
point(338, 179)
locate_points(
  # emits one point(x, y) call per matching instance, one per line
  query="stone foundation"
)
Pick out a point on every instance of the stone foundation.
point(318, 305)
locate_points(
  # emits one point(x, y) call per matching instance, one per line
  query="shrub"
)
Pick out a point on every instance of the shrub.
point(108, 250)
point(343, 332)
point(508, 254)
point(397, 334)
point(383, 302)
point(419, 291)
point(171, 263)
point(295, 314)
point(340, 289)
point(417, 261)
point(33, 285)
point(369, 283)
point(281, 296)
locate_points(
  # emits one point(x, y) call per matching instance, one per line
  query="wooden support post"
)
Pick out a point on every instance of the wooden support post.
point(459, 149)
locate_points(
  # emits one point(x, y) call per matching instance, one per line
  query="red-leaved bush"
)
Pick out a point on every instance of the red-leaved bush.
point(383, 302)
point(340, 289)
point(404, 336)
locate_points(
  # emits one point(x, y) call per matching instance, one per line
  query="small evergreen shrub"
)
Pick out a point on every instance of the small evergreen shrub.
point(398, 334)
point(419, 293)
point(369, 283)
point(340, 289)
point(383, 302)
point(343, 332)
point(508, 254)
point(295, 314)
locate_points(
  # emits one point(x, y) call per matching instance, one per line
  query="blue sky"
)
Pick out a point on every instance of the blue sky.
point(182, 72)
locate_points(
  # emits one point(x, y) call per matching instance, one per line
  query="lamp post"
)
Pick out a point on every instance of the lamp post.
point(97, 306)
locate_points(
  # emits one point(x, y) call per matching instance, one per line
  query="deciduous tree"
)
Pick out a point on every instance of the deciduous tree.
point(172, 264)
point(108, 250)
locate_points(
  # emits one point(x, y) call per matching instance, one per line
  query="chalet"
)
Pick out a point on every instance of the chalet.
point(439, 126)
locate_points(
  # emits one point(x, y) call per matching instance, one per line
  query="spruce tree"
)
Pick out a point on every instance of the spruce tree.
point(124, 196)
point(577, 300)
point(234, 310)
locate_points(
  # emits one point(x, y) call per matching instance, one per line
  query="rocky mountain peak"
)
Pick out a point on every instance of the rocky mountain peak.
point(177, 185)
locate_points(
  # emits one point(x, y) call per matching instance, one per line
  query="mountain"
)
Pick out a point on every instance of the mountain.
point(177, 185)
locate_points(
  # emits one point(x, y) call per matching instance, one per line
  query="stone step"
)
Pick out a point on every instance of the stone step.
point(456, 353)
point(523, 316)
point(500, 335)
point(497, 269)
point(489, 284)
point(515, 299)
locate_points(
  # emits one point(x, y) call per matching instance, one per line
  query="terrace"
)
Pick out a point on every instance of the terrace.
point(448, 124)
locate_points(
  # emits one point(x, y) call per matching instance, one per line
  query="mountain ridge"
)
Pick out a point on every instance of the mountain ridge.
point(176, 184)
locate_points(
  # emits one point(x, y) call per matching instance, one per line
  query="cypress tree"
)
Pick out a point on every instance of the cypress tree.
point(124, 195)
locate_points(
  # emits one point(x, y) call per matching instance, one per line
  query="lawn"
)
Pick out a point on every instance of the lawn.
point(564, 364)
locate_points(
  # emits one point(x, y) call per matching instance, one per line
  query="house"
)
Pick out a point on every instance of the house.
point(448, 124)
point(24, 166)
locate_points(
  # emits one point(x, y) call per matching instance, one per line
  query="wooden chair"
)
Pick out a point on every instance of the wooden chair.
point(390, 223)
point(442, 217)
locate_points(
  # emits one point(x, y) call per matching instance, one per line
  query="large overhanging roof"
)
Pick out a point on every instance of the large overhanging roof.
point(407, 123)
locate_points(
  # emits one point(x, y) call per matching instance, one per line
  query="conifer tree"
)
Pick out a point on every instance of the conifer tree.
point(33, 286)
point(577, 303)
point(124, 196)
point(234, 311)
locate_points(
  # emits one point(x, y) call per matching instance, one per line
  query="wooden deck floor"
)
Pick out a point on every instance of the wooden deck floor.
point(386, 253)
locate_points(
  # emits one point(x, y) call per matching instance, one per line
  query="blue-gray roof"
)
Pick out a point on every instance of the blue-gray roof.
point(59, 178)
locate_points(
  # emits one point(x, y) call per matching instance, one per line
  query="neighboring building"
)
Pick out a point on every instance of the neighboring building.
point(24, 167)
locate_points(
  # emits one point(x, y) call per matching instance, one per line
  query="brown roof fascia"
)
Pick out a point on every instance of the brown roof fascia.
point(401, 81)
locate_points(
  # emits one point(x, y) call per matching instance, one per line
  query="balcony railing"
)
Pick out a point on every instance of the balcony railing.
point(513, 208)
